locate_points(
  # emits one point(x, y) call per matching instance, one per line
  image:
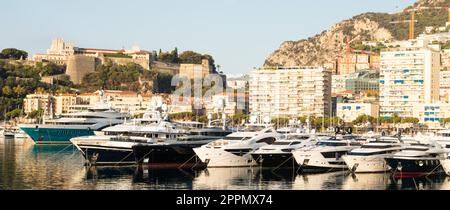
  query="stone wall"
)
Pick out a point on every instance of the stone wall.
point(78, 66)
point(124, 61)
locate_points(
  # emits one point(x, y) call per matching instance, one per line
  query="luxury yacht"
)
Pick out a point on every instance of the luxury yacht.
point(235, 149)
point(442, 137)
point(325, 155)
point(70, 125)
point(107, 150)
point(178, 152)
point(417, 160)
point(446, 165)
point(371, 156)
point(8, 133)
point(116, 144)
point(279, 154)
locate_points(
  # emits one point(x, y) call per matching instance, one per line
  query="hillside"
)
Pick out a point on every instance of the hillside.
point(324, 48)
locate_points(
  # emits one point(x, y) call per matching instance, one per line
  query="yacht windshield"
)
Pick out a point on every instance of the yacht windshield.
point(416, 149)
point(444, 134)
point(237, 138)
point(297, 137)
point(376, 146)
point(281, 143)
point(253, 128)
point(333, 144)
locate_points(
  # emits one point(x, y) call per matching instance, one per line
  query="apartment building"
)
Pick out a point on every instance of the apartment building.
point(290, 91)
point(409, 76)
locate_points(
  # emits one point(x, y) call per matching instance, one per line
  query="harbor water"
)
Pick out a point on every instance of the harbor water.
point(24, 165)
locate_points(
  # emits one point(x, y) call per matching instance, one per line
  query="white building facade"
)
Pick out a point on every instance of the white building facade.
point(408, 77)
point(350, 111)
point(290, 91)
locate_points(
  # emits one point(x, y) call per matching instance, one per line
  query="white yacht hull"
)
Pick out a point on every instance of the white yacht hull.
point(221, 158)
point(366, 164)
point(446, 166)
point(315, 160)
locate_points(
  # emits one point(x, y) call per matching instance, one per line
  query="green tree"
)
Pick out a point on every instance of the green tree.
point(51, 69)
point(7, 91)
point(14, 113)
point(19, 91)
point(13, 53)
point(191, 57)
point(35, 114)
point(174, 55)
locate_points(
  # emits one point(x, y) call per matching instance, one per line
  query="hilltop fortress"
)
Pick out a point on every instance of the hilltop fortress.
point(81, 61)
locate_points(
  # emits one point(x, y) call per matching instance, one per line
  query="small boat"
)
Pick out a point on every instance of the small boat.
point(9, 133)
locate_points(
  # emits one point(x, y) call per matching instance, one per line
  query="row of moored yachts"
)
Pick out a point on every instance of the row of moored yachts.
point(161, 144)
point(155, 141)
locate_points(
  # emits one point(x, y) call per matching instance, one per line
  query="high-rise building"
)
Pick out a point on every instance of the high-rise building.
point(290, 91)
point(409, 76)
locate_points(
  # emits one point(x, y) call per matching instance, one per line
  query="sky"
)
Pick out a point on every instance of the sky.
point(239, 34)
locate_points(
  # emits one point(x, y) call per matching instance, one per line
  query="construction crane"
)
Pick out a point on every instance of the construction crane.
point(413, 20)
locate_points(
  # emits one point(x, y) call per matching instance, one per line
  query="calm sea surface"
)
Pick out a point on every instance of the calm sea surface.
point(24, 165)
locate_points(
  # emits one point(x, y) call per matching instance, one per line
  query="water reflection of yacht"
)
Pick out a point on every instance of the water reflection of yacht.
point(321, 181)
point(166, 178)
point(445, 184)
point(366, 181)
point(225, 179)
point(417, 183)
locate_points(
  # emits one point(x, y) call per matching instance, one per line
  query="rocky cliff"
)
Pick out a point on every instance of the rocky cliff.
point(324, 48)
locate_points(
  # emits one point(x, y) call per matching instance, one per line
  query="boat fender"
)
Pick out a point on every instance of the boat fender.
point(337, 130)
point(349, 130)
